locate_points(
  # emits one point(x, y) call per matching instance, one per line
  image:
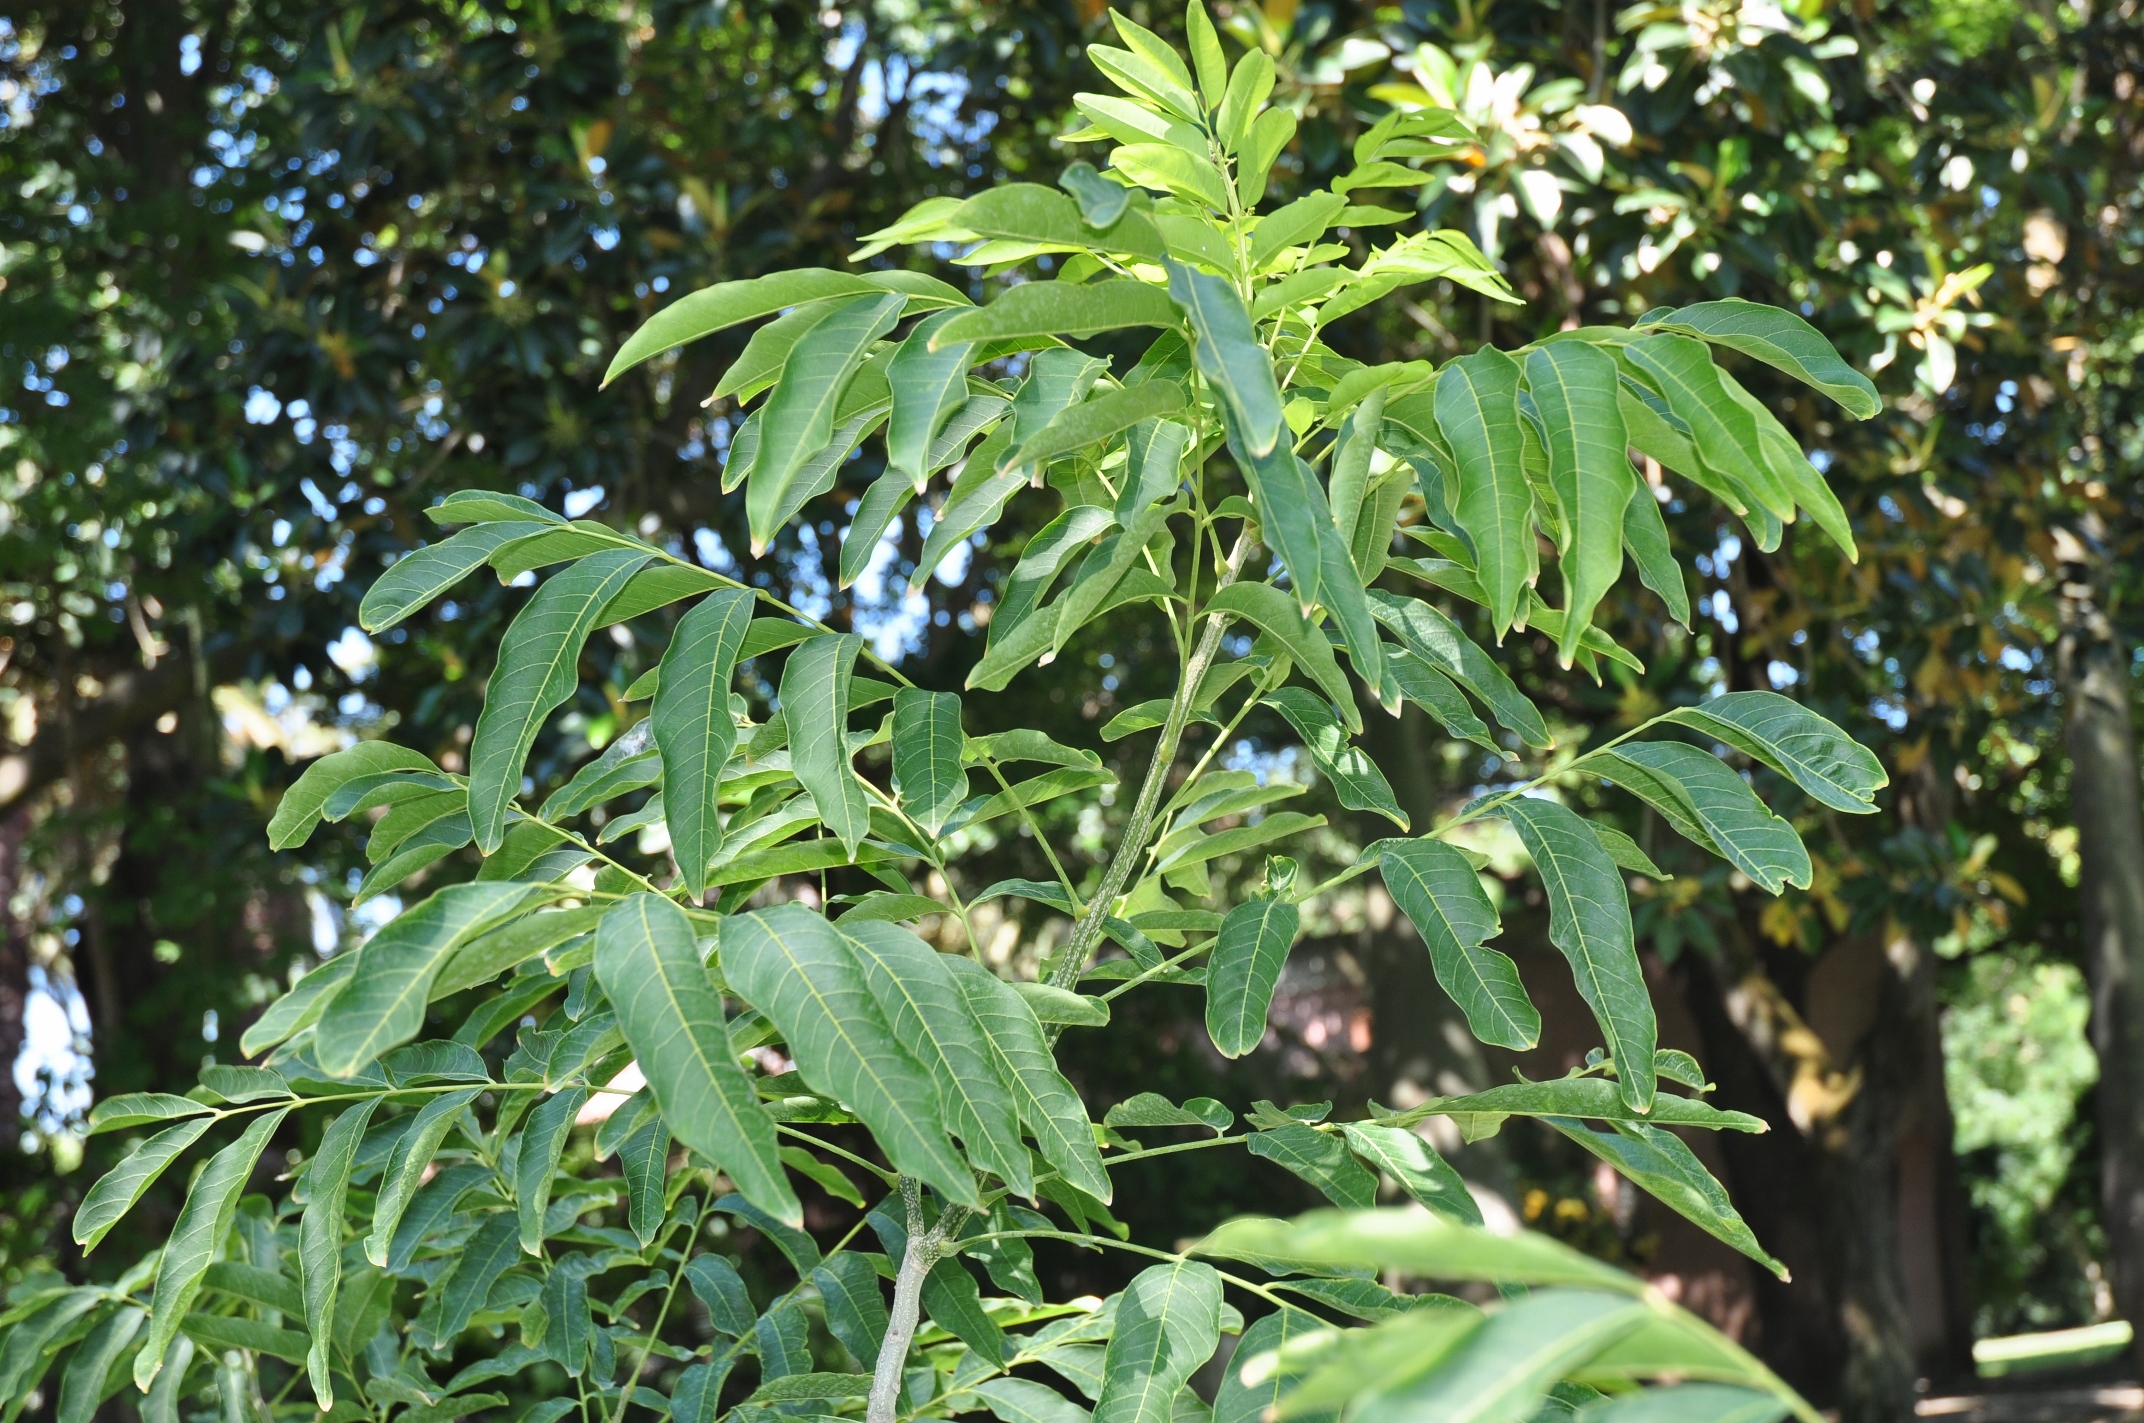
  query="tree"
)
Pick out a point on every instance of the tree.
point(457, 1158)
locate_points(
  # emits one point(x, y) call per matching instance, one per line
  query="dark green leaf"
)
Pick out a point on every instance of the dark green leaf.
point(1441, 894)
point(383, 1003)
point(1168, 1324)
point(1703, 798)
point(1048, 1107)
point(694, 728)
point(927, 745)
point(423, 574)
point(1574, 387)
point(320, 1238)
point(116, 1192)
point(815, 699)
point(1229, 355)
point(1321, 1158)
point(1035, 310)
point(1660, 1162)
point(1244, 969)
point(1794, 741)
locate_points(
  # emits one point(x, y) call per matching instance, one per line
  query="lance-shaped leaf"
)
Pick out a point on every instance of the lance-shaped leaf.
point(927, 744)
point(1093, 421)
point(1414, 1163)
point(1229, 356)
point(728, 303)
point(494, 1248)
point(1645, 537)
point(1025, 1401)
point(203, 1222)
point(1321, 1158)
point(791, 964)
point(382, 1006)
point(1050, 1110)
point(928, 386)
point(1595, 1098)
point(434, 1207)
point(1154, 466)
point(1778, 338)
point(1240, 976)
point(1437, 640)
point(1477, 413)
point(888, 495)
point(1806, 748)
point(1714, 807)
point(651, 969)
point(320, 1238)
point(694, 729)
point(423, 574)
point(1168, 1324)
point(855, 1306)
point(1355, 777)
point(1505, 1367)
point(1722, 431)
point(1589, 920)
point(1046, 554)
point(367, 764)
point(1272, 611)
point(536, 674)
point(1574, 387)
point(543, 1142)
point(1690, 1403)
point(930, 1019)
point(815, 700)
point(1661, 1163)
point(975, 500)
point(408, 1164)
point(1240, 1401)
point(116, 1192)
point(1036, 311)
point(644, 1158)
point(799, 418)
point(82, 1387)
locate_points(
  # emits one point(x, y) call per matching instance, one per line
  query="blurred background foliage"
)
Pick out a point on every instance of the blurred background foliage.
point(277, 275)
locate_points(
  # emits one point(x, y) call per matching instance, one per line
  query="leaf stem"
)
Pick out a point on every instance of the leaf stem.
point(1130, 1156)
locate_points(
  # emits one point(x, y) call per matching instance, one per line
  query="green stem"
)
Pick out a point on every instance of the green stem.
point(1173, 1150)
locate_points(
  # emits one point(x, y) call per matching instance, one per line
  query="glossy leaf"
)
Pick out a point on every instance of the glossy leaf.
point(1437, 640)
point(928, 387)
point(694, 729)
point(1414, 1163)
point(1226, 348)
point(1035, 311)
point(713, 308)
point(423, 574)
point(1321, 1158)
point(1244, 970)
point(1708, 802)
point(815, 699)
point(1664, 1165)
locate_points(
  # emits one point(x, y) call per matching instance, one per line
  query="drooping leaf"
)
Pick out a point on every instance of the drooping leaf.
point(1355, 777)
point(1229, 355)
point(543, 1142)
point(1441, 895)
point(1597, 1099)
point(1016, 1400)
point(1151, 1109)
point(1244, 970)
point(927, 746)
point(1094, 421)
point(721, 1289)
point(644, 1158)
point(1321, 1158)
point(928, 387)
point(536, 673)
point(1050, 1110)
point(1415, 1164)
point(855, 1306)
point(726, 304)
point(1168, 1324)
point(1697, 793)
point(1477, 413)
point(382, 1006)
point(115, 1193)
point(1589, 920)
point(310, 797)
point(1645, 537)
point(1806, 748)
point(1275, 613)
point(1574, 387)
point(1501, 1370)
point(1154, 467)
point(203, 1222)
point(1723, 433)
point(694, 729)
point(1437, 640)
point(798, 420)
point(408, 1165)
point(1779, 338)
point(815, 699)
point(320, 1238)
point(423, 574)
point(82, 1387)
point(1663, 1164)
point(793, 966)
point(954, 1303)
point(1240, 1401)
point(671, 1014)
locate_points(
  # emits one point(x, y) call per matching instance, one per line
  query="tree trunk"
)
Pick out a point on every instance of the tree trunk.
point(2104, 803)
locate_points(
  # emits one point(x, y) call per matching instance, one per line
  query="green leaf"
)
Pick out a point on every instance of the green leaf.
point(1321, 1158)
point(1501, 1371)
point(1153, 73)
point(659, 586)
point(1036, 310)
point(760, 365)
point(855, 1306)
point(975, 501)
point(1723, 432)
point(1574, 387)
point(1154, 466)
point(1245, 966)
point(1645, 537)
point(794, 967)
point(694, 729)
point(320, 1238)
point(1355, 777)
point(382, 1006)
point(1794, 741)
point(815, 699)
point(728, 303)
point(1698, 793)
point(671, 1014)
point(1598, 1099)
point(1099, 419)
point(1269, 134)
point(1229, 356)
point(1171, 170)
point(930, 1019)
point(434, 1207)
point(298, 1009)
point(1240, 1401)
point(1274, 612)
point(1101, 202)
point(1589, 920)
point(644, 1158)
point(543, 1142)
point(1061, 541)
point(134, 1109)
point(115, 1193)
point(1048, 1107)
point(721, 1289)
point(1016, 1400)
point(82, 1386)
point(1437, 640)
point(888, 495)
point(1415, 1164)
point(423, 574)
point(305, 802)
point(928, 387)
point(1294, 225)
point(1660, 1162)
point(1690, 1403)
point(953, 1302)
point(509, 946)
point(798, 420)
point(927, 746)
point(1778, 338)
point(1063, 1006)
point(1151, 1109)
point(536, 674)
point(407, 1165)
point(202, 1224)
point(1168, 1324)
point(1248, 87)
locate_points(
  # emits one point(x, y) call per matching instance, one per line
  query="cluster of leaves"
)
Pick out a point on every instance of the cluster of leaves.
point(441, 1204)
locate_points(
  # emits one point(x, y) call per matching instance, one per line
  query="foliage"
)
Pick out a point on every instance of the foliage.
point(450, 1196)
